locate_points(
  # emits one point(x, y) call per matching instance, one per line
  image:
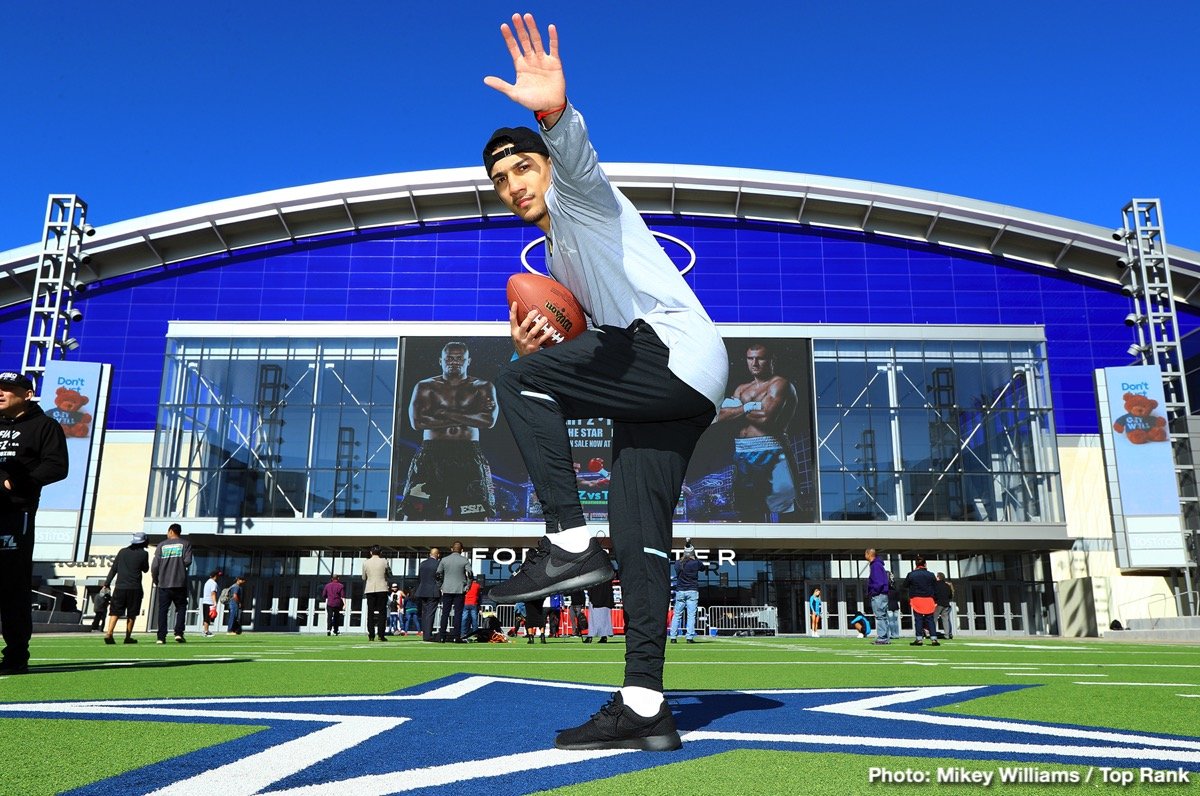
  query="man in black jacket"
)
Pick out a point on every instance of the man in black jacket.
point(33, 453)
point(428, 592)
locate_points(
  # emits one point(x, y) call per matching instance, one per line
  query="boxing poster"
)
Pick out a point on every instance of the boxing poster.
point(757, 462)
point(454, 457)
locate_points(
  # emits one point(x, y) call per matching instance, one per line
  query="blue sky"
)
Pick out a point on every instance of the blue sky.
point(1070, 108)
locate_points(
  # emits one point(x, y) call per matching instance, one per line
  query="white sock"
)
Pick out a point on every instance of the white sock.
point(642, 701)
point(573, 540)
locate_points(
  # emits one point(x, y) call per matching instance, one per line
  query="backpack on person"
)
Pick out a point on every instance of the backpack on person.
point(224, 598)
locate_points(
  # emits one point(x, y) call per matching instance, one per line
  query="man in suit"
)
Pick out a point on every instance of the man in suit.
point(427, 593)
point(376, 572)
point(454, 573)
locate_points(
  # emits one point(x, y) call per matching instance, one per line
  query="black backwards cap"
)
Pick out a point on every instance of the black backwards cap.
point(11, 377)
point(517, 139)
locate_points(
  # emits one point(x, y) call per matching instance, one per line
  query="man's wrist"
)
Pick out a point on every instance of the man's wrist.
point(546, 119)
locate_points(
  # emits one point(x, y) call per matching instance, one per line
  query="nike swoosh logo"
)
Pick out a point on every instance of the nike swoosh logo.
point(554, 571)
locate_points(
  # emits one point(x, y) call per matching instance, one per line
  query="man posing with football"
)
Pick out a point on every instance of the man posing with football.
point(653, 362)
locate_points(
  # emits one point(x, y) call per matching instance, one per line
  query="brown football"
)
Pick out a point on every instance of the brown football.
point(553, 301)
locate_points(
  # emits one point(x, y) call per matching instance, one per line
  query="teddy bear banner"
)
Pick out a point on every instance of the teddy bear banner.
point(1145, 484)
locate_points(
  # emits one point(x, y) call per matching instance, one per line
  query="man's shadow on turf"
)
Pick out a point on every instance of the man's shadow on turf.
point(694, 711)
point(96, 666)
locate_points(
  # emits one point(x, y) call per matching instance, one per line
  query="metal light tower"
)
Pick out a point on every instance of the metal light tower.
point(1146, 279)
point(53, 307)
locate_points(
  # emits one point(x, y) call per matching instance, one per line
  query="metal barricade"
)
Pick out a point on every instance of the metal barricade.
point(739, 620)
point(507, 614)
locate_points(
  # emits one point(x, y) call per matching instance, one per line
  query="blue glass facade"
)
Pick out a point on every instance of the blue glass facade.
point(746, 272)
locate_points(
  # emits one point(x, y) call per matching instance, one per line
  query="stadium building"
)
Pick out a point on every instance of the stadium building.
point(274, 356)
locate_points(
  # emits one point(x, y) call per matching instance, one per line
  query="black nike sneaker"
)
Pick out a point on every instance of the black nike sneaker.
point(549, 569)
point(618, 727)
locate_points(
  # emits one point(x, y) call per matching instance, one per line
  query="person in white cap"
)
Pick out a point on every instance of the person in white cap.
point(33, 453)
point(127, 569)
point(395, 603)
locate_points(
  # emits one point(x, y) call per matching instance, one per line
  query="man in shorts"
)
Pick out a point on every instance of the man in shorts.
point(208, 601)
point(127, 570)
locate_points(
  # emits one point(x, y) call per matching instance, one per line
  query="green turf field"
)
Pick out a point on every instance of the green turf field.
point(1133, 687)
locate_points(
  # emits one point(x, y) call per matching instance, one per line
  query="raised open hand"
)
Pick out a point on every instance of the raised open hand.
point(540, 84)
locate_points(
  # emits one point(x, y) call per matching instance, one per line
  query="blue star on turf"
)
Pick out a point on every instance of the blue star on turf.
point(440, 736)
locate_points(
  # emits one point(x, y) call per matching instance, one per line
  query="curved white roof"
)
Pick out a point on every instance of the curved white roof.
point(411, 198)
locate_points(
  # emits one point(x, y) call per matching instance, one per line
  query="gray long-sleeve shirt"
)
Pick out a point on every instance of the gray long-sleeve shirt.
point(172, 557)
point(602, 250)
point(455, 570)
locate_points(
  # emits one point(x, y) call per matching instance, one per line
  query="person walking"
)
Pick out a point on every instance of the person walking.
point(236, 605)
point(334, 595)
point(209, 595)
point(126, 570)
point(375, 573)
point(169, 572)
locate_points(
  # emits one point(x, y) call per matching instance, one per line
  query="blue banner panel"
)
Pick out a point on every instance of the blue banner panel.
point(69, 393)
point(75, 394)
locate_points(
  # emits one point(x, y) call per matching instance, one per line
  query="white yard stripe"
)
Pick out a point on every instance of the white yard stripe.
point(1050, 674)
point(874, 707)
point(148, 708)
point(1024, 646)
point(433, 776)
point(253, 774)
point(1149, 685)
point(1172, 756)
